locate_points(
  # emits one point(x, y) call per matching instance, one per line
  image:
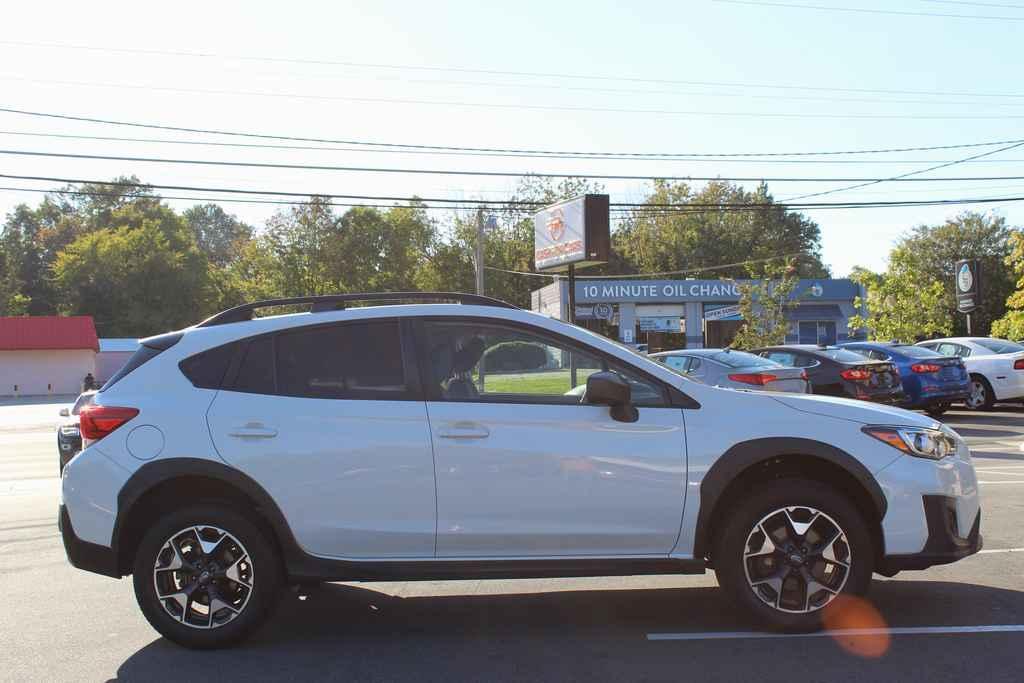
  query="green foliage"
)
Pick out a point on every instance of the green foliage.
point(218, 234)
point(1011, 325)
point(763, 305)
point(515, 356)
point(931, 253)
point(653, 242)
point(902, 304)
point(142, 276)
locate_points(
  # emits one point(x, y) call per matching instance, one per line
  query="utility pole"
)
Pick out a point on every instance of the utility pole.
point(480, 251)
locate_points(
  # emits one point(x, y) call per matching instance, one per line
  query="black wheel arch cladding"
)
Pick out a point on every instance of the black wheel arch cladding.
point(746, 454)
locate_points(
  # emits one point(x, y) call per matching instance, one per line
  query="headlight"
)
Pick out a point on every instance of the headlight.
point(69, 430)
point(933, 444)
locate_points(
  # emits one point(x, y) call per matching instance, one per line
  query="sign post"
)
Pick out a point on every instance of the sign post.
point(575, 232)
point(968, 288)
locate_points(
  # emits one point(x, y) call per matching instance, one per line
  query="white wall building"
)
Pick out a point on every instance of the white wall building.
point(42, 355)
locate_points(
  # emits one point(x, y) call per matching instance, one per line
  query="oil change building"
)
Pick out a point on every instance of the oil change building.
point(696, 313)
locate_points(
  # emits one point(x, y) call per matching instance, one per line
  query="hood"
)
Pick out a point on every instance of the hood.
point(853, 410)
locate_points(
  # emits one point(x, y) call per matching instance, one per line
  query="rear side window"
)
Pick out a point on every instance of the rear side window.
point(351, 361)
point(256, 372)
point(206, 370)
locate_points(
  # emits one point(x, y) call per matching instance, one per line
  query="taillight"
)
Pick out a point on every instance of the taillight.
point(925, 368)
point(1018, 364)
point(98, 421)
point(757, 378)
point(855, 374)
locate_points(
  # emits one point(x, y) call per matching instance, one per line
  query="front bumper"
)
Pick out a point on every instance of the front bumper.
point(84, 555)
point(944, 544)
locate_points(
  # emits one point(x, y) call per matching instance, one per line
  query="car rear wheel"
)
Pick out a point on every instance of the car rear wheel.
point(981, 396)
point(206, 577)
point(787, 551)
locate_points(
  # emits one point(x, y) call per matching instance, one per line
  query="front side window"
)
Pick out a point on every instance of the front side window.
point(491, 362)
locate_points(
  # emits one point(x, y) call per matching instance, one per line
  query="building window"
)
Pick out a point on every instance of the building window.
point(817, 332)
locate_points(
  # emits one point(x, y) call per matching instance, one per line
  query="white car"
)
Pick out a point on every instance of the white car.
point(996, 367)
point(443, 441)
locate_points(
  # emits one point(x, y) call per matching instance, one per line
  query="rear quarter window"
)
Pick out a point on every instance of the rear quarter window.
point(206, 370)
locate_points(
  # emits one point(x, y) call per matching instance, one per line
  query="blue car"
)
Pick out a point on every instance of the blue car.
point(931, 381)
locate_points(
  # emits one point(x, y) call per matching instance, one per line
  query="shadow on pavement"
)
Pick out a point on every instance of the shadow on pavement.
point(352, 633)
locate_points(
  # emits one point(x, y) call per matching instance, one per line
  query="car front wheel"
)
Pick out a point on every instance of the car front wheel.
point(206, 577)
point(788, 550)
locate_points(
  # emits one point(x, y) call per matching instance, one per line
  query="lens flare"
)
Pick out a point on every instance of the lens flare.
point(849, 612)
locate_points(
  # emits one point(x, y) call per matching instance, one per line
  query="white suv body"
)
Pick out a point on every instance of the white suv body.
point(399, 453)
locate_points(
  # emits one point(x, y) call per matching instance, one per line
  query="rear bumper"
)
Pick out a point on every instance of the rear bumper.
point(928, 400)
point(944, 544)
point(84, 555)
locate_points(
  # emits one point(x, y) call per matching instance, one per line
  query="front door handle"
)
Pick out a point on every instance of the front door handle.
point(253, 430)
point(464, 430)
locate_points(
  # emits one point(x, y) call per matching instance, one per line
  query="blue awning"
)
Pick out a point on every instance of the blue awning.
point(815, 312)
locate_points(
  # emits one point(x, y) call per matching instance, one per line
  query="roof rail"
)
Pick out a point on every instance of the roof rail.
point(336, 302)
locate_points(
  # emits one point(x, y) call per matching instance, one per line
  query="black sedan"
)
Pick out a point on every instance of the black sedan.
point(833, 371)
point(69, 438)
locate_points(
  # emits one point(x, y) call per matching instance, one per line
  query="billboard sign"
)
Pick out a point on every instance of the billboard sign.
point(968, 285)
point(575, 231)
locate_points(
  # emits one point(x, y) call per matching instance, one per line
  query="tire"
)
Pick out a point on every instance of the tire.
point(761, 509)
point(937, 410)
point(982, 397)
point(237, 550)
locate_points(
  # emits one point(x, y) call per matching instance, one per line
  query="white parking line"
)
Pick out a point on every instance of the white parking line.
point(1000, 550)
point(1000, 467)
point(1001, 482)
point(840, 633)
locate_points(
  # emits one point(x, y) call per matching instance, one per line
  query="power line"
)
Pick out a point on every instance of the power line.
point(293, 138)
point(509, 204)
point(568, 108)
point(862, 10)
point(555, 155)
point(974, 4)
point(493, 72)
point(905, 177)
point(689, 271)
point(516, 174)
point(490, 84)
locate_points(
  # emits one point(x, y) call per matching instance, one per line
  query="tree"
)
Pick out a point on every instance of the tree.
point(931, 253)
point(1011, 325)
point(142, 276)
point(902, 304)
point(219, 234)
point(764, 302)
point(653, 241)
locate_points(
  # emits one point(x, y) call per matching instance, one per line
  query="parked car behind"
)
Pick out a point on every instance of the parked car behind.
point(735, 369)
point(931, 381)
point(996, 367)
point(833, 371)
point(69, 437)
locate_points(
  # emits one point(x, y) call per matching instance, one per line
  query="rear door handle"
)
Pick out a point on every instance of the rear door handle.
point(464, 430)
point(253, 430)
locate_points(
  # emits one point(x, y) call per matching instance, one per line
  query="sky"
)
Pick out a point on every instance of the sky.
point(692, 77)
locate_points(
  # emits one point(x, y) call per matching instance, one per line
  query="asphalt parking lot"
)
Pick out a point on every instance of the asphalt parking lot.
point(960, 622)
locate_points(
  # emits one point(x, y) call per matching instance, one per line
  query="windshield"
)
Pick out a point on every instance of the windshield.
point(999, 345)
point(842, 355)
point(917, 352)
point(742, 359)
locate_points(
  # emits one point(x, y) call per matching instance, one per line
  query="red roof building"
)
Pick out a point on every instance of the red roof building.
point(48, 332)
point(46, 355)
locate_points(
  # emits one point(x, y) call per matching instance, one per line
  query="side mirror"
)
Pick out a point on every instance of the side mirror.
point(64, 412)
point(607, 388)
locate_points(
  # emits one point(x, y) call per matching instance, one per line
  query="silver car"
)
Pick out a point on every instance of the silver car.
point(735, 369)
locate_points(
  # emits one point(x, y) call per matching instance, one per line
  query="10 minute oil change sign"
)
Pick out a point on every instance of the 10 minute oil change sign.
point(968, 285)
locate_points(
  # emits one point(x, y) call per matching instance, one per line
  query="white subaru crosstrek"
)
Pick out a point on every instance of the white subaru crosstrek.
point(445, 440)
